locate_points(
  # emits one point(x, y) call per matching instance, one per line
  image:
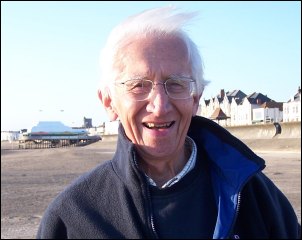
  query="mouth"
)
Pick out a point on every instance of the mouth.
point(151, 125)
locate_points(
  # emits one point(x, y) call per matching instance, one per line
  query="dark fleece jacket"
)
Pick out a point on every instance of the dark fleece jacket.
point(113, 200)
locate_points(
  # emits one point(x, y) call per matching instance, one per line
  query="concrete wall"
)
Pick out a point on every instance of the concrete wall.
point(256, 131)
point(266, 131)
point(290, 130)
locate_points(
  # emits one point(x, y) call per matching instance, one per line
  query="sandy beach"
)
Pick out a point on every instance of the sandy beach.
point(30, 179)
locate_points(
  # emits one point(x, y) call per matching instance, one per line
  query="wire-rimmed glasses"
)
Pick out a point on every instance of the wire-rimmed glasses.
point(175, 88)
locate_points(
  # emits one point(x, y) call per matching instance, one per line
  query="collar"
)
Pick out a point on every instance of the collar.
point(189, 143)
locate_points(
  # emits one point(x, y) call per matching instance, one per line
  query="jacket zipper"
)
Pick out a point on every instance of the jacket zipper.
point(235, 218)
point(151, 213)
point(151, 219)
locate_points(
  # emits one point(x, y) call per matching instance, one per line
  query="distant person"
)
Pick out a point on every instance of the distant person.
point(174, 174)
point(278, 128)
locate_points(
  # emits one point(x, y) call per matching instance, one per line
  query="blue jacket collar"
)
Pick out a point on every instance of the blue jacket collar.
point(232, 164)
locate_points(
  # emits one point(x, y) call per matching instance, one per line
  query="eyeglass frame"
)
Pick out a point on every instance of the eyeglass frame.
point(182, 78)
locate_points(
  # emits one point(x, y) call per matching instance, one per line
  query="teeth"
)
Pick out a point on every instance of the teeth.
point(150, 125)
point(153, 125)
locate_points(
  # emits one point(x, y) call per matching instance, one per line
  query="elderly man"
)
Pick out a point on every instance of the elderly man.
point(174, 174)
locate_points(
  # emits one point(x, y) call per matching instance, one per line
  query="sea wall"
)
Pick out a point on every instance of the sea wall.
point(257, 131)
point(267, 131)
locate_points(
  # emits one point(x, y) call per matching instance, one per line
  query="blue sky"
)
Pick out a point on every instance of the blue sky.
point(50, 53)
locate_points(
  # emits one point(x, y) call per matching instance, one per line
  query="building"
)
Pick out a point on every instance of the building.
point(224, 101)
point(246, 107)
point(241, 109)
point(268, 112)
point(87, 123)
point(9, 136)
point(292, 108)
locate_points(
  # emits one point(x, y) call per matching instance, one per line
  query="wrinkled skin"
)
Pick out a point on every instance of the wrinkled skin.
point(157, 126)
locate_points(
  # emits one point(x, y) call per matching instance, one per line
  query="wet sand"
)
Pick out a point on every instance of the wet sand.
point(30, 179)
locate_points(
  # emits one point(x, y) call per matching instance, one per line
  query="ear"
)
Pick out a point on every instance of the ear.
point(106, 99)
point(196, 99)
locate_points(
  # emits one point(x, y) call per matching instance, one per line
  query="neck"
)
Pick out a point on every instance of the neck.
point(163, 169)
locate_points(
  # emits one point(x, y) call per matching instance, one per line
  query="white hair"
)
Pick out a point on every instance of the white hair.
point(157, 21)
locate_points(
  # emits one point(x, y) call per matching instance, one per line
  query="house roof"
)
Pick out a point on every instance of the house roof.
point(237, 94)
point(296, 97)
point(272, 104)
point(218, 114)
point(256, 98)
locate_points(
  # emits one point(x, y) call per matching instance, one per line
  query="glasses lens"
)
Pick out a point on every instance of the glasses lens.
point(179, 88)
point(138, 89)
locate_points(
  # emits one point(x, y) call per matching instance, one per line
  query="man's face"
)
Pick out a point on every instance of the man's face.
point(157, 126)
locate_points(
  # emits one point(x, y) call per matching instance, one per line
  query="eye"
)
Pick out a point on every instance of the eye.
point(138, 86)
point(177, 85)
point(133, 84)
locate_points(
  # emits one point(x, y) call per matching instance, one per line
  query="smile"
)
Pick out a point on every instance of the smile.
point(159, 125)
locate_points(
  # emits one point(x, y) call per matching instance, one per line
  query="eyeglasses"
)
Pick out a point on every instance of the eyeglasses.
point(175, 88)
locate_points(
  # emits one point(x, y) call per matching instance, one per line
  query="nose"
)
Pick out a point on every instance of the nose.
point(159, 101)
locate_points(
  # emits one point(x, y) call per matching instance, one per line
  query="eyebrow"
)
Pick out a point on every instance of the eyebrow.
point(178, 76)
point(137, 77)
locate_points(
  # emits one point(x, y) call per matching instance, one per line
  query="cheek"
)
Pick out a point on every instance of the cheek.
point(189, 108)
point(127, 110)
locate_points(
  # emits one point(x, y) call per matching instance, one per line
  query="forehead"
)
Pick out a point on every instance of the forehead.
point(163, 55)
point(157, 47)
